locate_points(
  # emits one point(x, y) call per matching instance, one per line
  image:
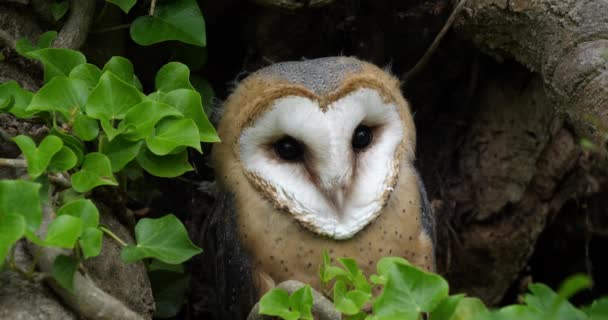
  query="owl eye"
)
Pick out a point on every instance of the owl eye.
point(362, 137)
point(288, 148)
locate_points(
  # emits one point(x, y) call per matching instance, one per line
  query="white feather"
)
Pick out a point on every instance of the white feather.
point(357, 189)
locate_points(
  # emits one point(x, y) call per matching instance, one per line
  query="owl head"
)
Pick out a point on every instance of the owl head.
point(323, 140)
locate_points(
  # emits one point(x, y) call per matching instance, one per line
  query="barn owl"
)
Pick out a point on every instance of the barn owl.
point(317, 155)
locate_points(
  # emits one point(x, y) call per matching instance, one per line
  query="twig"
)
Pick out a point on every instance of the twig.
point(429, 52)
point(152, 7)
point(15, 163)
point(110, 29)
point(60, 180)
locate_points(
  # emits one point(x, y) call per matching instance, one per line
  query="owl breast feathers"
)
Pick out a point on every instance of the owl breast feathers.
point(319, 154)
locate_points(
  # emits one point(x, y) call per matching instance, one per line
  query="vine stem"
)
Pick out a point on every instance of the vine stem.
point(429, 52)
point(152, 7)
point(112, 235)
point(15, 163)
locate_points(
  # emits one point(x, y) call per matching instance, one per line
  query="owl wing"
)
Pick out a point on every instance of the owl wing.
point(427, 216)
point(233, 279)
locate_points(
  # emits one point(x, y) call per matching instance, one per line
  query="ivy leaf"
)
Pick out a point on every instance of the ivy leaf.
point(24, 46)
point(84, 209)
point(18, 99)
point(59, 9)
point(63, 160)
point(408, 291)
point(90, 242)
point(111, 98)
point(71, 142)
point(173, 133)
point(350, 302)
point(85, 128)
point(12, 228)
point(459, 307)
point(23, 198)
point(301, 302)
point(573, 285)
point(57, 62)
point(96, 171)
point(62, 94)
point(39, 158)
point(144, 116)
point(123, 69)
point(276, 303)
point(598, 309)
point(169, 166)
point(64, 268)
point(180, 20)
point(110, 130)
point(173, 76)
point(205, 89)
point(89, 73)
point(328, 272)
point(189, 103)
point(63, 232)
point(165, 239)
point(125, 5)
point(120, 151)
point(546, 302)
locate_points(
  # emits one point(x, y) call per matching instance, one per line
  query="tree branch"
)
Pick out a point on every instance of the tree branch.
point(75, 30)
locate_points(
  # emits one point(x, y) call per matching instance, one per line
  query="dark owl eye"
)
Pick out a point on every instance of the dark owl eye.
point(362, 137)
point(288, 148)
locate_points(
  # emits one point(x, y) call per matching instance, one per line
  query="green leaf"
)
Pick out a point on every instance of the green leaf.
point(301, 302)
point(59, 9)
point(165, 239)
point(84, 209)
point(90, 242)
point(189, 103)
point(123, 69)
point(110, 130)
point(12, 228)
point(57, 62)
point(276, 303)
point(62, 94)
point(96, 171)
point(125, 5)
point(173, 133)
point(39, 158)
point(408, 290)
point(169, 290)
point(111, 98)
point(573, 285)
point(142, 118)
point(543, 301)
point(460, 308)
point(355, 275)
point(173, 76)
point(64, 268)
point(63, 232)
point(86, 128)
point(327, 272)
point(71, 142)
point(169, 166)
point(598, 309)
point(180, 20)
point(17, 97)
point(21, 197)
point(89, 73)
point(349, 302)
point(120, 151)
point(23, 46)
point(63, 160)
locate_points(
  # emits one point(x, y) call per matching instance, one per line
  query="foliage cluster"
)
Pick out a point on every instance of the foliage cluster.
point(104, 130)
point(408, 293)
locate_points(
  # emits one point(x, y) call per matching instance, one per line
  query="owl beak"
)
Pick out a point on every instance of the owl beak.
point(338, 196)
